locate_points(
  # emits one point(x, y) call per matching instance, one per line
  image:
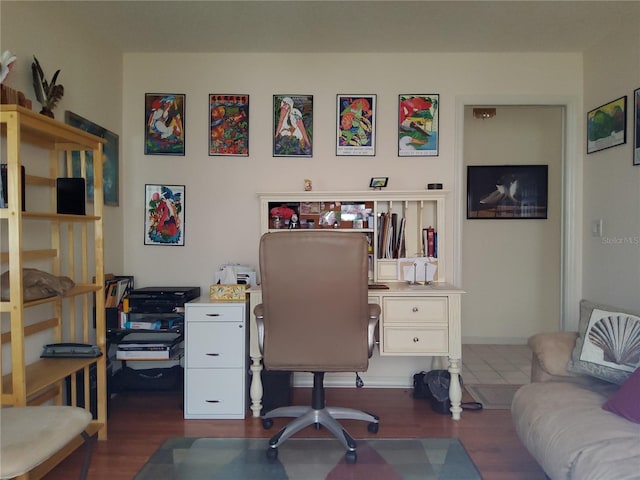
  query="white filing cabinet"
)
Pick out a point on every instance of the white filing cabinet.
point(216, 339)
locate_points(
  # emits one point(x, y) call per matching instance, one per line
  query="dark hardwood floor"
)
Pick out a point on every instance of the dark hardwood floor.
point(140, 422)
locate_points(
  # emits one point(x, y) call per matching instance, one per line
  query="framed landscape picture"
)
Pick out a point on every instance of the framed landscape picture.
point(418, 125)
point(607, 125)
point(507, 192)
point(229, 125)
point(164, 215)
point(110, 159)
point(164, 124)
point(356, 125)
point(293, 125)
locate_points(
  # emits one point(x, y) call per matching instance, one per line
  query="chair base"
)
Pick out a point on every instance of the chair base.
point(327, 417)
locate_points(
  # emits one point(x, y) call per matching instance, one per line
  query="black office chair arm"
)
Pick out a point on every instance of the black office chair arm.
point(374, 317)
point(258, 312)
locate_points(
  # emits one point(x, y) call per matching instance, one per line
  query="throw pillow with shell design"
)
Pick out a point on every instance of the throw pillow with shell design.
point(608, 344)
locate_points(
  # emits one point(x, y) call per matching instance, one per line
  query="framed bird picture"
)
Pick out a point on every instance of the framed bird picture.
point(293, 125)
point(507, 192)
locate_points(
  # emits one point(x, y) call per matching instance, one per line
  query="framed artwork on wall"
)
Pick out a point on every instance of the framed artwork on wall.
point(507, 192)
point(293, 125)
point(164, 124)
point(229, 125)
point(636, 128)
point(607, 125)
point(164, 215)
point(356, 125)
point(110, 160)
point(418, 125)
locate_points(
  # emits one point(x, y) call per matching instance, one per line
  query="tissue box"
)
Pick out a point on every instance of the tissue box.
point(227, 293)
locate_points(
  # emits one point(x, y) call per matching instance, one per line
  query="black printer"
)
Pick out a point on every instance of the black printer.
point(161, 299)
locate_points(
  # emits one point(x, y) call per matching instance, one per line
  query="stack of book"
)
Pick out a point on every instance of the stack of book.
point(141, 346)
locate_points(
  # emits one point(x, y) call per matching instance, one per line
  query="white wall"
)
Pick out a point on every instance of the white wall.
point(221, 204)
point(511, 268)
point(611, 272)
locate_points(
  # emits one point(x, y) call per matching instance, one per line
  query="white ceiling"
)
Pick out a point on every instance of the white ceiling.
point(346, 26)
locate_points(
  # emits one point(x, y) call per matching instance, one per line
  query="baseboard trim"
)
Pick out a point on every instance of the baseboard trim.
point(494, 340)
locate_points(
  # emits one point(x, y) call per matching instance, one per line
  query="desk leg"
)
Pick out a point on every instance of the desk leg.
point(256, 385)
point(455, 392)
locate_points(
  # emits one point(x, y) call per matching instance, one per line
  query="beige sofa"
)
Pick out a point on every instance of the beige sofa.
point(560, 420)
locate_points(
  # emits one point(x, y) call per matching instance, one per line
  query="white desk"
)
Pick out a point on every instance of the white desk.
point(415, 321)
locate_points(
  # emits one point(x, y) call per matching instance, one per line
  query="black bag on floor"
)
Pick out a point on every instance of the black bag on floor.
point(434, 387)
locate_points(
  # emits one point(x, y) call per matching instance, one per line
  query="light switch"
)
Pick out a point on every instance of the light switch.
point(596, 228)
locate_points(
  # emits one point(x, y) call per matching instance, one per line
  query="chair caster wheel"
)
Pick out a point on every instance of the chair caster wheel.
point(267, 423)
point(351, 457)
point(272, 453)
point(373, 427)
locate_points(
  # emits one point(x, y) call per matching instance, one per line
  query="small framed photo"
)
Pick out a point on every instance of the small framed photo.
point(164, 124)
point(607, 125)
point(636, 129)
point(229, 125)
point(497, 192)
point(293, 125)
point(356, 125)
point(418, 125)
point(164, 215)
point(378, 182)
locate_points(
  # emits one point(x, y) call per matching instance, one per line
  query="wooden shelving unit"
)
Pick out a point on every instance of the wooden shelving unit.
point(75, 249)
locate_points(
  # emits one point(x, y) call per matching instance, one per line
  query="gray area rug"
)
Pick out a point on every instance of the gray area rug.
point(493, 396)
point(309, 459)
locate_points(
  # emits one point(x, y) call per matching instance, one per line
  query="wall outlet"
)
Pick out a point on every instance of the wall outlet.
point(596, 228)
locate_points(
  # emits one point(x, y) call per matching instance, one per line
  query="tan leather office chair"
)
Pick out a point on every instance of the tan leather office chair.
point(315, 317)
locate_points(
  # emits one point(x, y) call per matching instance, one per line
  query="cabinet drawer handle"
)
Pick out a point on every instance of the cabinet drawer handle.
point(212, 401)
point(414, 309)
point(416, 339)
point(213, 314)
point(212, 354)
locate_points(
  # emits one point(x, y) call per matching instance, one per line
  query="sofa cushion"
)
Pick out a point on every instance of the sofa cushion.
point(626, 401)
point(608, 344)
point(565, 429)
point(553, 350)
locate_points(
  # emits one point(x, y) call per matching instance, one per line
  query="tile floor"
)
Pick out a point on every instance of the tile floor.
point(496, 364)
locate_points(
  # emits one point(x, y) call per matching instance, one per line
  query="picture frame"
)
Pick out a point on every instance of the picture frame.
point(293, 125)
point(378, 182)
point(418, 119)
point(507, 192)
point(607, 125)
point(356, 125)
point(164, 214)
point(164, 124)
point(229, 125)
point(636, 127)
point(110, 160)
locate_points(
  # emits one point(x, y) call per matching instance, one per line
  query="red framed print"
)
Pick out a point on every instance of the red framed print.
point(356, 125)
point(165, 121)
point(229, 125)
point(418, 125)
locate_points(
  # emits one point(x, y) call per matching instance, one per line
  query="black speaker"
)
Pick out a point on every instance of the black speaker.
point(3, 173)
point(70, 195)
